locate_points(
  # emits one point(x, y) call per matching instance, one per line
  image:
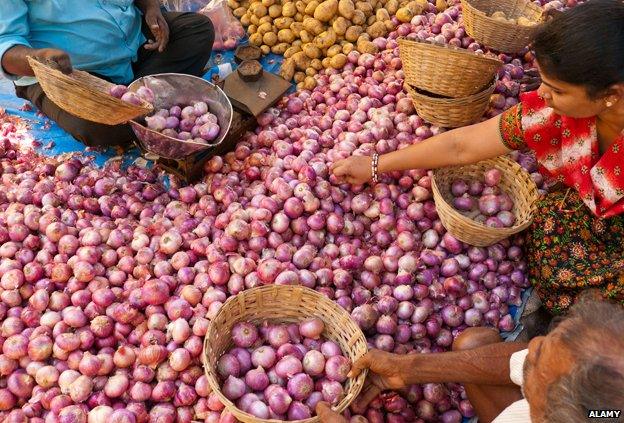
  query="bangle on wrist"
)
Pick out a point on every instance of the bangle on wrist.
point(375, 168)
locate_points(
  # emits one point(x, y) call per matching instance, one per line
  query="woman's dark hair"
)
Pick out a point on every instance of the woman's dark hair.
point(585, 46)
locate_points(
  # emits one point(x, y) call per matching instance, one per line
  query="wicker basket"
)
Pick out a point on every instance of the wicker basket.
point(446, 70)
point(451, 112)
point(85, 95)
point(282, 304)
point(515, 181)
point(506, 37)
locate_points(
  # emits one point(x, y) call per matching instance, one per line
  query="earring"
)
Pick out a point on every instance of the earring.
point(609, 104)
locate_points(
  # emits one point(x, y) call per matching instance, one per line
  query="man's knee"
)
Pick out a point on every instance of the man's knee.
point(95, 135)
point(473, 338)
point(206, 33)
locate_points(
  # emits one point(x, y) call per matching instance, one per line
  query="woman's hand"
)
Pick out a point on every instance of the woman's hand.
point(386, 372)
point(354, 170)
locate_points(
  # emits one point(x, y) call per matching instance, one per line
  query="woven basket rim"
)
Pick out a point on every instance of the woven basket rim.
point(445, 100)
point(236, 301)
point(510, 25)
point(450, 50)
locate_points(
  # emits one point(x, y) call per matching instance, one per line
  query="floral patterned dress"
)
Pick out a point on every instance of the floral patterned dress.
point(576, 241)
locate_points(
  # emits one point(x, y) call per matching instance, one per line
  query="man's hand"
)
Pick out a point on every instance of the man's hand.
point(59, 57)
point(386, 373)
point(327, 415)
point(158, 25)
point(354, 170)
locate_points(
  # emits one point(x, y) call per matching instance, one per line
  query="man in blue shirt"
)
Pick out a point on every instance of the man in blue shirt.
point(118, 40)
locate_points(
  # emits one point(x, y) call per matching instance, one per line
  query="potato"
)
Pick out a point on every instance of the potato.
point(283, 23)
point(300, 6)
point(265, 49)
point(390, 26)
point(499, 14)
point(404, 14)
point(326, 39)
point(279, 48)
point(305, 36)
point(255, 39)
point(285, 36)
point(239, 12)
point(316, 64)
point(233, 4)
point(441, 5)
point(311, 7)
point(297, 43)
point(287, 71)
point(290, 51)
point(267, 3)
point(334, 50)
point(359, 18)
point(310, 72)
point(299, 17)
point(382, 15)
point(326, 62)
point(264, 28)
point(364, 46)
point(424, 4)
point(353, 33)
point(259, 10)
point(245, 20)
point(346, 8)
point(525, 21)
point(296, 28)
point(364, 7)
point(299, 76)
point(266, 19)
point(338, 61)
point(275, 11)
point(313, 26)
point(392, 6)
point(326, 10)
point(309, 83)
point(289, 10)
point(378, 29)
point(348, 48)
point(270, 39)
point(340, 25)
point(312, 51)
point(254, 20)
point(301, 60)
point(371, 20)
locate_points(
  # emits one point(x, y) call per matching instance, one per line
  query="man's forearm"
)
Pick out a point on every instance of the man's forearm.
point(145, 5)
point(487, 365)
point(15, 62)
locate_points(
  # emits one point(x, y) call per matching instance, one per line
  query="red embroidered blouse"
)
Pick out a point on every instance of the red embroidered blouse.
point(567, 149)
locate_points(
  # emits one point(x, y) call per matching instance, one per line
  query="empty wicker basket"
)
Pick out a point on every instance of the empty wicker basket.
point(499, 35)
point(446, 70)
point(515, 181)
point(282, 304)
point(85, 96)
point(451, 112)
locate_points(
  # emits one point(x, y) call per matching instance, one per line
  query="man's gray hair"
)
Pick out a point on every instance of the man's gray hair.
point(594, 334)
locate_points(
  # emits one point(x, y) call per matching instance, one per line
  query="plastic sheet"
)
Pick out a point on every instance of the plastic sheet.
point(228, 29)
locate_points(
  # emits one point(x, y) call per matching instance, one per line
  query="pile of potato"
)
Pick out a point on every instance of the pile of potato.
point(500, 16)
point(313, 34)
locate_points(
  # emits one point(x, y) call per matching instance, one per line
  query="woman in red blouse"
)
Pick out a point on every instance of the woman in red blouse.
point(574, 123)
